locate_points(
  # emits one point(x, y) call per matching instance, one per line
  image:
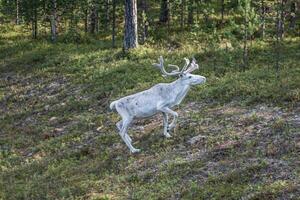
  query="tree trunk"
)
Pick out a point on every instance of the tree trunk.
point(263, 17)
point(53, 22)
point(222, 12)
point(282, 18)
point(113, 23)
point(182, 13)
point(145, 21)
point(198, 11)
point(97, 18)
point(245, 50)
point(292, 15)
point(17, 12)
point(191, 12)
point(93, 20)
point(164, 11)
point(206, 14)
point(107, 18)
point(34, 24)
point(278, 38)
point(86, 19)
point(131, 34)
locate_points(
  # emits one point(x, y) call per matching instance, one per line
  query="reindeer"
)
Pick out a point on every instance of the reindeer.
point(158, 99)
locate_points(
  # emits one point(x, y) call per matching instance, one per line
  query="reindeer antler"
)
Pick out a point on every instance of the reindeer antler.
point(186, 69)
point(187, 62)
point(193, 66)
point(160, 65)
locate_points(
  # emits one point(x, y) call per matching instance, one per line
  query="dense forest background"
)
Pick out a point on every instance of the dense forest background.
point(225, 20)
point(63, 61)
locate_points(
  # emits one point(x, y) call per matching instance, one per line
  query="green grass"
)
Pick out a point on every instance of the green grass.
point(59, 141)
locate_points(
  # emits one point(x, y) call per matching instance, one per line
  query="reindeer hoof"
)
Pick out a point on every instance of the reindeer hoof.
point(135, 150)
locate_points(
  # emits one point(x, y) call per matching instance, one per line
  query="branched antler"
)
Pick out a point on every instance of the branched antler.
point(160, 65)
point(192, 67)
point(187, 68)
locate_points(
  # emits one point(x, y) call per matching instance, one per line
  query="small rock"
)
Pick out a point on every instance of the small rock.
point(52, 119)
point(47, 107)
point(30, 154)
point(53, 85)
point(59, 129)
point(196, 139)
point(298, 144)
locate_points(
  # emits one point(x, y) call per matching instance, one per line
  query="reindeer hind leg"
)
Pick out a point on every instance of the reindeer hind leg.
point(126, 120)
point(125, 136)
point(119, 126)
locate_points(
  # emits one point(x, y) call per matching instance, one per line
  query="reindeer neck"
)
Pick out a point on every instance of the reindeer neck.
point(179, 89)
point(179, 84)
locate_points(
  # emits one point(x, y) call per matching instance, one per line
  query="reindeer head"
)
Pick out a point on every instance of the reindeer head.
point(184, 74)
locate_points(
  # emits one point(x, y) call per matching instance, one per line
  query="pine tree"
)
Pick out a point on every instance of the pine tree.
point(131, 35)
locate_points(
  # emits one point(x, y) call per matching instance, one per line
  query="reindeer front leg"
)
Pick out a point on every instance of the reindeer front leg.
point(166, 125)
point(175, 116)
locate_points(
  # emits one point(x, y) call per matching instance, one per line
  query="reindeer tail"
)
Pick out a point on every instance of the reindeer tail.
point(112, 106)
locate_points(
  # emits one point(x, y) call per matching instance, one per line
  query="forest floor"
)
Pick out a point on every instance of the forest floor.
point(59, 140)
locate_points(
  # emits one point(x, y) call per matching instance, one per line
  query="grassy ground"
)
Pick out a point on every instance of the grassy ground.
point(238, 136)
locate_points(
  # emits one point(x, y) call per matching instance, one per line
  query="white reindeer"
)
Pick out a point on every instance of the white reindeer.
point(158, 99)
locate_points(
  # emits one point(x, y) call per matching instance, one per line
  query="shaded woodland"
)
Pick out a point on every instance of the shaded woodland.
point(62, 62)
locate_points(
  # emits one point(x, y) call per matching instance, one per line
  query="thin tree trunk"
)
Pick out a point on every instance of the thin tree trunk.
point(86, 20)
point(131, 34)
point(198, 12)
point(164, 11)
point(182, 13)
point(33, 29)
point(206, 14)
point(97, 18)
point(93, 20)
point(107, 18)
point(113, 23)
point(245, 50)
point(278, 38)
point(191, 12)
point(144, 21)
point(53, 22)
point(222, 12)
point(292, 15)
point(34, 24)
point(263, 17)
point(282, 18)
point(17, 12)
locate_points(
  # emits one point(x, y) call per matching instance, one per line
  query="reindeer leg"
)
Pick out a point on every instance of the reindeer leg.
point(166, 125)
point(124, 136)
point(175, 115)
point(119, 126)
